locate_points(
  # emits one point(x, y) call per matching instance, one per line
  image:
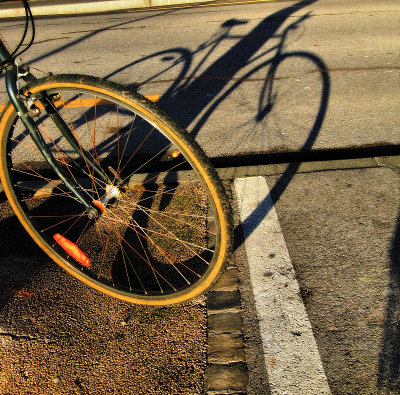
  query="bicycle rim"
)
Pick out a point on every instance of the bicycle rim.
point(164, 230)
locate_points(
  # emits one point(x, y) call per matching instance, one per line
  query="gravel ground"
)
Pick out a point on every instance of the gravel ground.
point(57, 336)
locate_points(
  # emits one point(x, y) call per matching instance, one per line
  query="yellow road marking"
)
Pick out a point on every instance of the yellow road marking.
point(153, 98)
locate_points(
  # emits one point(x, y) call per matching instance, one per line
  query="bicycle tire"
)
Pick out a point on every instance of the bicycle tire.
point(164, 237)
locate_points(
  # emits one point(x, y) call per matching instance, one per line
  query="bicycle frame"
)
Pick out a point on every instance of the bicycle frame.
point(14, 73)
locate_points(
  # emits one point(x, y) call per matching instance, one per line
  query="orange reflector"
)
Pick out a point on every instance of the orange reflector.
point(175, 154)
point(72, 249)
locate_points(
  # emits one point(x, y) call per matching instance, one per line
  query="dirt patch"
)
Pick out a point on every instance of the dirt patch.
point(58, 336)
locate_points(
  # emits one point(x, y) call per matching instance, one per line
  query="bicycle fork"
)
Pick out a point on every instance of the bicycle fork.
point(12, 77)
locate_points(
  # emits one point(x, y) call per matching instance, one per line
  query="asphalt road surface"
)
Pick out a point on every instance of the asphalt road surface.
point(245, 79)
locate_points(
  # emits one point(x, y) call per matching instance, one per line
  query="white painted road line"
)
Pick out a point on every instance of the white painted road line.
point(291, 355)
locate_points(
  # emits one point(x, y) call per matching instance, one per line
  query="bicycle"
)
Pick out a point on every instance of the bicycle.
point(110, 186)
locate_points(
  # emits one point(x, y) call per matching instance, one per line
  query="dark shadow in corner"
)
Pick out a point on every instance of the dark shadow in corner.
point(17, 247)
point(389, 358)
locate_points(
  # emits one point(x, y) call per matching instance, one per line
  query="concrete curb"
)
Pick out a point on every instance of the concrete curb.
point(226, 370)
point(67, 7)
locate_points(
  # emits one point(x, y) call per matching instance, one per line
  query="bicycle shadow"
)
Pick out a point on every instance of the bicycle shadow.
point(195, 95)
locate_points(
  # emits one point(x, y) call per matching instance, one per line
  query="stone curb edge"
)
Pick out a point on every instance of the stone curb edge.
point(226, 369)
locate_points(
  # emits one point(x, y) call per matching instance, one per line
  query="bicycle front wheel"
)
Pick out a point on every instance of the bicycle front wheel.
point(164, 226)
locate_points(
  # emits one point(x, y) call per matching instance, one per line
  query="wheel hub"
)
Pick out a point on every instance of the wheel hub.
point(112, 193)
